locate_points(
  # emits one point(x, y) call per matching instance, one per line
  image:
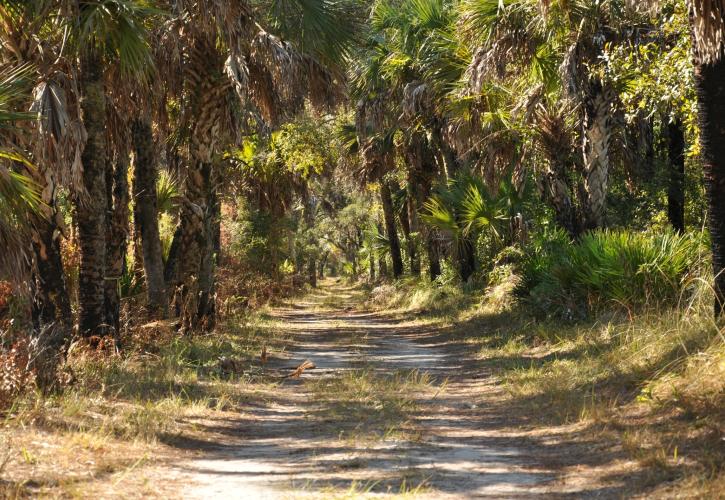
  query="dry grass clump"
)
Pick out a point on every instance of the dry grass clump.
point(412, 295)
point(362, 404)
point(118, 408)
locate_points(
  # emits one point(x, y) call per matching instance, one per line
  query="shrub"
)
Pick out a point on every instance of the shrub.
point(608, 268)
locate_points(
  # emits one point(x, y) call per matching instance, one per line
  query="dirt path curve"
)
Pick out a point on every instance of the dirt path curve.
point(285, 447)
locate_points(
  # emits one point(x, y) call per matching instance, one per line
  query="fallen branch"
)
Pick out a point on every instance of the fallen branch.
point(306, 365)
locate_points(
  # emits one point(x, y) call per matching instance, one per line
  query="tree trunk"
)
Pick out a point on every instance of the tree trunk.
point(676, 188)
point(206, 310)
point(194, 241)
point(146, 217)
point(312, 271)
point(322, 264)
point(390, 228)
point(194, 260)
point(597, 134)
point(117, 232)
point(710, 82)
point(412, 205)
point(556, 192)
point(50, 307)
point(382, 262)
point(428, 172)
point(372, 266)
point(448, 157)
point(405, 226)
point(51, 300)
point(434, 262)
point(466, 259)
point(91, 206)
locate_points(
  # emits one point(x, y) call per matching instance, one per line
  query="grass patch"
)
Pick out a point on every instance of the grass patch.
point(364, 405)
point(400, 489)
point(652, 381)
point(118, 409)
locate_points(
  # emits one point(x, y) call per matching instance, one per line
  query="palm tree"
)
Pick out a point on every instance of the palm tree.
point(19, 196)
point(708, 29)
point(412, 62)
point(558, 46)
point(462, 209)
point(146, 215)
point(102, 28)
point(226, 49)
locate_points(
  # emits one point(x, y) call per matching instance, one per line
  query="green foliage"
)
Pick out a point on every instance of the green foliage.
point(257, 239)
point(612, 268)
point(464, 207)
point(167, 192)
point(118, 28)
point(324, 29)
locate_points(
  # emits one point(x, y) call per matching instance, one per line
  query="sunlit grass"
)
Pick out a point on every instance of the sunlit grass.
point(363, 405)
point(394, 488)
point(117, 408)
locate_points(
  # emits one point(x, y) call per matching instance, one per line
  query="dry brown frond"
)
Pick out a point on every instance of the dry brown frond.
point(417, 100)
point(708, 19)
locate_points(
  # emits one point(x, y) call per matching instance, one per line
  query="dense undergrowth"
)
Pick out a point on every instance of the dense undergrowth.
point(614, 333)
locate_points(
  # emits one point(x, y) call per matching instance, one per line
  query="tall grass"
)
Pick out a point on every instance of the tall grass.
point(607, 269)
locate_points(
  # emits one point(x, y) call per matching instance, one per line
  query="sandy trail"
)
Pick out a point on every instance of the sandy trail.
point(279, 448)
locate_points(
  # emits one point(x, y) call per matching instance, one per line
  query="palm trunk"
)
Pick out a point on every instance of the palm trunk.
point(91, 206)
point(466, 259)
point(322, 264)
point(117, 197)
point(372, 266)
point(206, 309)
point(51, 300)
point(412, 208)
point(392, 232)
point(597, 133)
point(382, 262)
point(556, 192)
point(429, 172)
point(194, 258)
point(146, 217)
point(676, 188)
point(405, 227)
point(192, 246)
point(448, 157)
point(710, 82)
point(434, 262)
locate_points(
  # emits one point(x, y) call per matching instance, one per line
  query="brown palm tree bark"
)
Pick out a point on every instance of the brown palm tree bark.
point(596, 135)
point(557, 193)
point(51, 309)
point(414, 223)
point(466, 259)
point(405, 225)
point(192, 259)
point(91, 206)
point(430, 234)
point(390, 229)
point(51, 302)
point(710, 83)
point(117, 234)
point(676, 187)
point(146, 217)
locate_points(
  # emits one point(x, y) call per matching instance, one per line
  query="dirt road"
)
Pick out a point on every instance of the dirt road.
point(447, 437)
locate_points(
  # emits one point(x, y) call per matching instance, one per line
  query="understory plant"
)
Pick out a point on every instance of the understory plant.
point(612, 268)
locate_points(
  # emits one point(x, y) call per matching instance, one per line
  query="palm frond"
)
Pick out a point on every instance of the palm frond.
point(117, 28)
